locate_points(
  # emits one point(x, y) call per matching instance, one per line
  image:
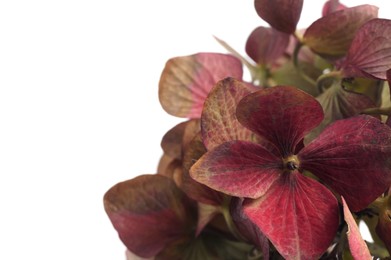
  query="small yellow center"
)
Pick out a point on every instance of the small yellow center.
point(291, 163)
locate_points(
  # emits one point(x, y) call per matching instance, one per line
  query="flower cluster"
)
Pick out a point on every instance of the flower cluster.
point(271, 168)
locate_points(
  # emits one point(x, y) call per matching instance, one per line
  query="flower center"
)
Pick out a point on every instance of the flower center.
point(291, 163)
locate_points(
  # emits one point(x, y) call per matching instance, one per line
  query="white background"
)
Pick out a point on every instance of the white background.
point(79, 109)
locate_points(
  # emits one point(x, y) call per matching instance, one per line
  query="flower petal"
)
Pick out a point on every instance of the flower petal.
point(148, 213)
point(357, 245)
point(195, 190)
point(283, 115)
point(299, 216)
point(265, 45)
point(332, 34)
point(383, 228)
point(238, 168)
point(247, 228)
point(353, 157)
point(339, 103)
point(370, 52)
point(282, 15)
point(218, 119)
point(186, 81)
point(332, 6)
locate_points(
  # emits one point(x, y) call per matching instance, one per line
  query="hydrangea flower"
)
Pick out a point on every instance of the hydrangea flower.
point(288, 187)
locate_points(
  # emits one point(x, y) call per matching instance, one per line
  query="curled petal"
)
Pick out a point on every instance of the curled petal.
point(353, 157)
point(332, 34)
point(332, 6)
point(370, 52)
point(295, 212)
point(282, 15)
point(266, 45)
point(149, 212)
point(218, 120)
point(283, 115)
point(357, 245)
point(238, 168)
point(186, 81)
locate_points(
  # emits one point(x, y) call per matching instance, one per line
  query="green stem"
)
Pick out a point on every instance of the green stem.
point(228, 218)
point(296, 52)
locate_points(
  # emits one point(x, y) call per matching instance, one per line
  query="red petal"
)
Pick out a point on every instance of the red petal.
point(370, 52)
point(148, 213)
point(357, 245)
point(266, 45)
point(282, 15)
point(186, 81)
point(332, 34)
point(352, 156)
point(283, 115)
point(218, 120)
point(298, 215)
point(238, 168)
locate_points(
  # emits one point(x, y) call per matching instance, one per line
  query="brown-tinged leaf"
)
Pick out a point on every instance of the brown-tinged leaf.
point(186, 81)
point(149, 213)
point(266, 45)
point(358, 247)
point(370, 52)
point(282, 15)
point(218, 119)
point(332, 35)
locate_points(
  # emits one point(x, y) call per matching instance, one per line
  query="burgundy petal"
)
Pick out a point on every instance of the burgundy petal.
point(353, 157)
point(294, 213)
point(282, 15)
point(283, 115)
point(238, 168)
point(357, 245)
point(332, 34)
point(186, 81)
point(218, 119)
point(149, 212)
point(266, 45)
point(370, 52)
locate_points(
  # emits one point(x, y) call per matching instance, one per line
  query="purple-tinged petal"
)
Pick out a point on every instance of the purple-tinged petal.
point(294, 213)
point(149, 212)
point(357, 245)
point(331, 35)
point(218, 119)
point(186, 81)
point(247, 228)
point(238, 168)
point(283, 115)
point(332, 6)
point(353, 157)
point(370, 52)
point(282, 15)
point(266, 45)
